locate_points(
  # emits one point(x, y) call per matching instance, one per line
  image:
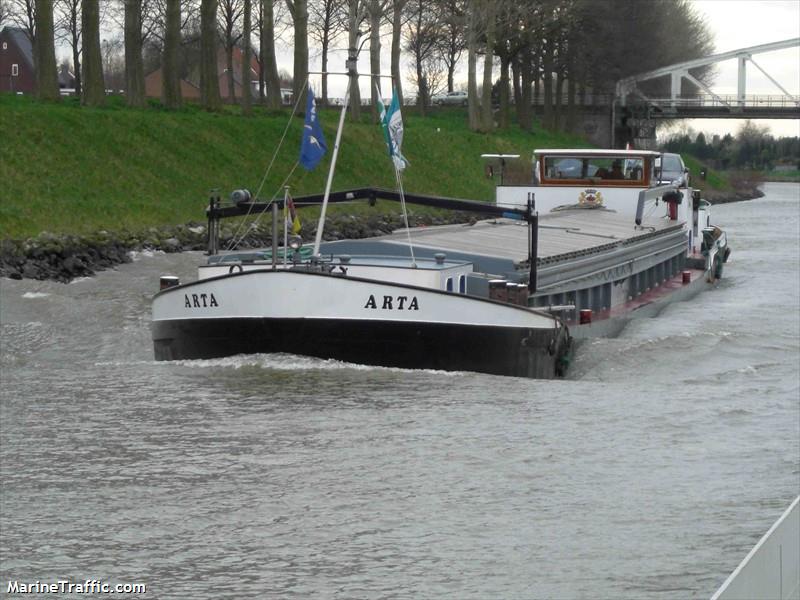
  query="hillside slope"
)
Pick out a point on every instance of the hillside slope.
point(67, 169)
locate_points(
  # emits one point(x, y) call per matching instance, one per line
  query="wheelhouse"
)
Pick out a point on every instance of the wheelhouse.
point(599, 168)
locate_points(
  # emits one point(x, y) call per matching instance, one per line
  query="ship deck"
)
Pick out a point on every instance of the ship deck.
point(563, 235)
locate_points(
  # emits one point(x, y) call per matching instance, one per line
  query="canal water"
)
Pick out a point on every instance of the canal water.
point(649, 473)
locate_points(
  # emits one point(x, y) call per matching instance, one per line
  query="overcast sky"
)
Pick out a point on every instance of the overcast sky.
point(734, 24)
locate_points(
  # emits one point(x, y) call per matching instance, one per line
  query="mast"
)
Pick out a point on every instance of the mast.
point(351, 69)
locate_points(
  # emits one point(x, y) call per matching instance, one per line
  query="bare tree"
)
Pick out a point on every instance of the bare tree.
point(209, 79)
point(398, 7)
point(268, 77)
point(473, 31)
point(230, 11)
point(4, 12)
point(247, 76)
point(93, 84)
point(68, 23)
point(298, 9)
point(356, 14)
point(325, 25)
point(422, 34)
point(452, 42)
point(134, 67)
point(171, 81)
point(490, 16)
point(46, 70)
point(375, 11)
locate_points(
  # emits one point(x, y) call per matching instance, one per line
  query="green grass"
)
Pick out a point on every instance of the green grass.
point(715, 180)
point(68, 169)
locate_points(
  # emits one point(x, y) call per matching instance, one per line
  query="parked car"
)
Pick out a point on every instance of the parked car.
point(670, 168)
point(451, 99)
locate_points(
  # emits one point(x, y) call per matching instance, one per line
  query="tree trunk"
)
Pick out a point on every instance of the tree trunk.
point(515, 75)
point(324, 63)
point(134, 69)
point(352, 45)
point(536, 75)
point(247, 76)
point(171, 83)
point(504, 62)
point(397, 26)
point(375, 14)
point(299, 11)
point(547, 82)
point(209, 78)
point(422, 84)
point(524, 109)
point(46, 71)
point(487, 118)
point(93, 85)
point(269, 65)
point(571, 82)
point(229, 71)
point(75, 44)
point(473, 109)
point(558, 101)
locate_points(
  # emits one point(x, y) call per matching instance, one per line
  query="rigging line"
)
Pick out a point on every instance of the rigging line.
point(233, 243)
point(399, 178)
point(271, 200)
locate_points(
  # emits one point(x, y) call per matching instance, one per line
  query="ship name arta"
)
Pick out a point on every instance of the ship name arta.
point(393, 303)
point(199, 301)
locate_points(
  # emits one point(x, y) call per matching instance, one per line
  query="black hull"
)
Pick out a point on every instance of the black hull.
point(495, 350)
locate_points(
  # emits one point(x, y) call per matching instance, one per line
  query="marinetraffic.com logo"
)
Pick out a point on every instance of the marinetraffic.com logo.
point(89, 586)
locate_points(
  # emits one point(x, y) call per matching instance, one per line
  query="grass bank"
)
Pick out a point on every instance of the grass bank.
point(68, 169)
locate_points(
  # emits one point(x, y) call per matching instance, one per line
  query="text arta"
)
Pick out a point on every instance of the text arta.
point(199, 300)
point(393, 303)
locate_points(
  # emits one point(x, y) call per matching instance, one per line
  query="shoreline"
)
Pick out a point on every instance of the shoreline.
point(64, 257)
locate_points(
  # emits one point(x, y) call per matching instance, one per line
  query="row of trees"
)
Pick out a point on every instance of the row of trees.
point(751, 148)
point(557, 53)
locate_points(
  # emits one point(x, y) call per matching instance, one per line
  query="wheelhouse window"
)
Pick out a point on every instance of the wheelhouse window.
point(593, 169)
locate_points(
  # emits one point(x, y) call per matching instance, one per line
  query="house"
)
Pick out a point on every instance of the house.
point(17, 72)
point(154, 81)
point(190, 86)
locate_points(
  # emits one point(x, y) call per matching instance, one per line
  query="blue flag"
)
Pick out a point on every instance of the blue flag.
point(313, 146)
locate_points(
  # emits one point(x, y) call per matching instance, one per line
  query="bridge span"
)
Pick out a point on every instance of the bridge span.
point(634, 114)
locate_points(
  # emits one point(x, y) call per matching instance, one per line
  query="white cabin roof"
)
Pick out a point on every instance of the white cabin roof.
point(595, 152)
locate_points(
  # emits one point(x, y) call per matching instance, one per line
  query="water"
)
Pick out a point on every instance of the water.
point(649, 473)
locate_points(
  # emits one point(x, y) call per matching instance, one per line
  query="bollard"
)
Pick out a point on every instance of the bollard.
point(511, 293)
point(686, 277)
point(168, 281)
point(522, 294)
point(585, 316)
point(497, 290)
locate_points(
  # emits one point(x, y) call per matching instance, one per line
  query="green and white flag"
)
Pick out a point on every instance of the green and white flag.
point(392, 124)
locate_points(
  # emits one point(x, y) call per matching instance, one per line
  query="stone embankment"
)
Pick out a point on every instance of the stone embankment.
point(65, 257)
point(717, 197)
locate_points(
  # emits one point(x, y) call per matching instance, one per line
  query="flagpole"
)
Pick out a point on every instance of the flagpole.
point(399, 178)
point(321, 224)
point(285, 225)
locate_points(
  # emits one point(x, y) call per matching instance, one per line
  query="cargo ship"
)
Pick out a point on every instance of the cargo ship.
point(590, 240)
